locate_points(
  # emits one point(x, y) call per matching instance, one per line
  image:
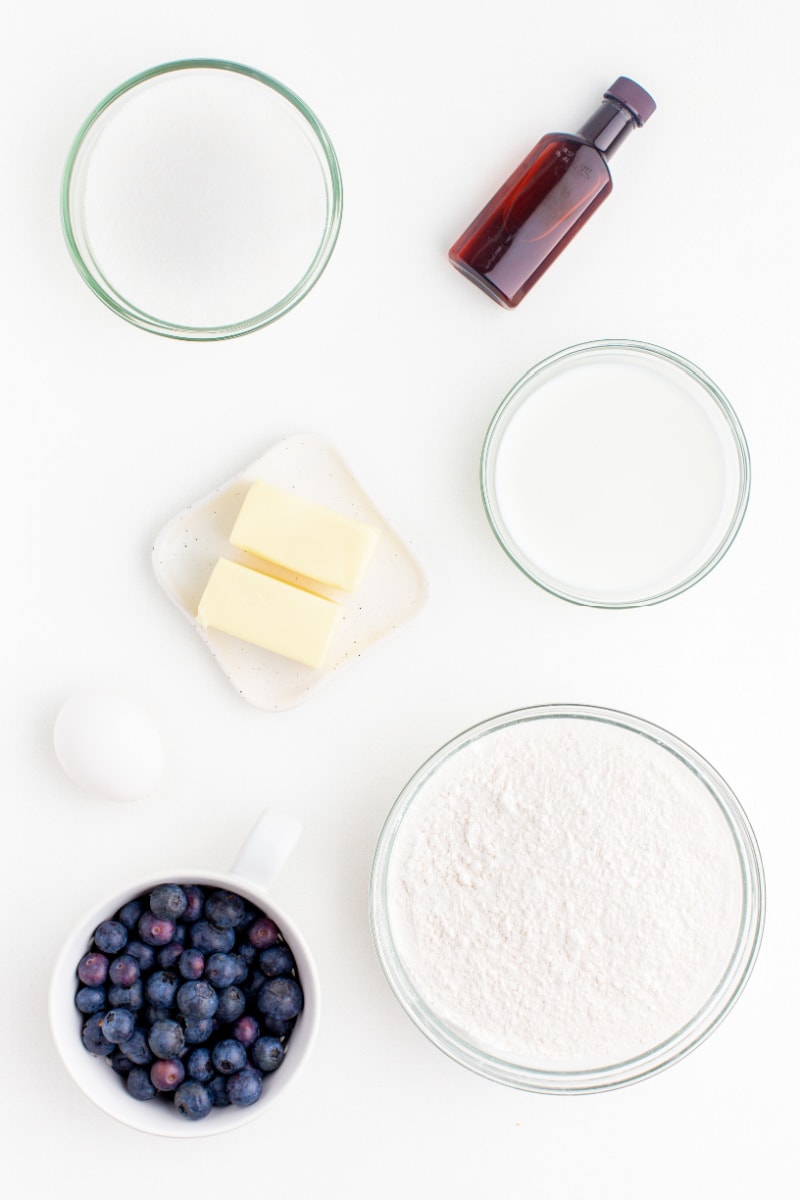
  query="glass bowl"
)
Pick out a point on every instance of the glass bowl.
point(707, 979)
point(615, 474)
point(201, 200)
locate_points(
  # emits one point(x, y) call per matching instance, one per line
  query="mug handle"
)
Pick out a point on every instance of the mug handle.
point(265, 851)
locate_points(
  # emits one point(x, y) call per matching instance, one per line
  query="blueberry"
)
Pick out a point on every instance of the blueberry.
point(156, 931)
point(110, 937)
point(124, 970)
point(193, 1101)
point(246, 1030)
point(199, 1065)
point(90, 1000)
point(198, 1031)
point(166, 1039)
point(118, 1024)
point(267, 1053)
point(92, 1035)
point(192, 964)
point(229, 1056)
point(168, 900)
point(280, 999)
point(93, 968)
point(195, 900)
point(244, 1087)
point(169, 955)
point(254, 984)
point(129, 913)
point(161, 988)
point(144, 955)
point(200, 980)
point(208, 938)
point(120, 1062)
point(218, 1091)
point(152, 1013)
point(167, 1073)
point(197, 999)
point(276, 960)
point(221, 970)
point(231, 1004)
point(137, 1049)
point(139, 1085)
point(225, 909)
point(263, 932)
point(278, 1029)
point(131, 997)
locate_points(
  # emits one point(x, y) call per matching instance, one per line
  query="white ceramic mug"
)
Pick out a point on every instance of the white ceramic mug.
point(259, 861)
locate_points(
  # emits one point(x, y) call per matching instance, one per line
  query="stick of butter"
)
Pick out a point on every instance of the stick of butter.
point(269, 613)
point(305, 537)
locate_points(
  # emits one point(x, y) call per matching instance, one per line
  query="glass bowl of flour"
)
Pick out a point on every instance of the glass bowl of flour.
point(566, 899)
point(201, 200)
point(615, 474)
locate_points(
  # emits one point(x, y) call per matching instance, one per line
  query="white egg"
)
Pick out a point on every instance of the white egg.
point(108, 745)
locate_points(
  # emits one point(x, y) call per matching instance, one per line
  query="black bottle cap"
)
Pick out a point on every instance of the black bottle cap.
point(634, 98)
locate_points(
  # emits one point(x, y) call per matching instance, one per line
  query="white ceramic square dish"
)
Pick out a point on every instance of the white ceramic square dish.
point(393, 590)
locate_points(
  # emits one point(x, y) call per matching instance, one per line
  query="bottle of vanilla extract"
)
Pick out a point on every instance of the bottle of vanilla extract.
point(551, 195)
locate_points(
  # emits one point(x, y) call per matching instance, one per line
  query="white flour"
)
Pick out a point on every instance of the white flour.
point(565, 890)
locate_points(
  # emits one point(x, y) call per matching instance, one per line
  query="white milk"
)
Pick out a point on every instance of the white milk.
point(614, 481)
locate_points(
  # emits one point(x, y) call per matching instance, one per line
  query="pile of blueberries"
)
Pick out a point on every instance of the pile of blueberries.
point(191, 994)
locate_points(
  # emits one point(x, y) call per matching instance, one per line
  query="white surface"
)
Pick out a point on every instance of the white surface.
point(398, 360)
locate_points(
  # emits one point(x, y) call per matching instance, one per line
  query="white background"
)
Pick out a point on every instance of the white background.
point(401, 362)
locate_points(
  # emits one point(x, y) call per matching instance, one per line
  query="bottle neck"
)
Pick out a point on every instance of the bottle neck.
point(608, 127)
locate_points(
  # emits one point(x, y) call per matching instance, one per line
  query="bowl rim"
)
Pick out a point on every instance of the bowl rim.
point(613, 1075)
point(104, 289)
point(520, 392)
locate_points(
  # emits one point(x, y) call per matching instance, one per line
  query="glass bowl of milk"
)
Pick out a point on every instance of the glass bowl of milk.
point(566, 899)
point(615, 474)
point(201, 200)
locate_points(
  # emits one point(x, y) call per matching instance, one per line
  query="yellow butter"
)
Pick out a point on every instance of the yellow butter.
point(304, 537)
point(267, 612)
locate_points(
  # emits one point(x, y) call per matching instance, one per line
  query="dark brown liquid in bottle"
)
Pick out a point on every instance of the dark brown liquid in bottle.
point(550, 196)
point(533, 217)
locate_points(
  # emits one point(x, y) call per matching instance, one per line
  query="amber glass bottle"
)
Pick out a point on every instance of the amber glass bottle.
point(538, 211)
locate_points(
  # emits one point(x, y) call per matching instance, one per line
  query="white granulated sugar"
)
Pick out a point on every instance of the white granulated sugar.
point(565, 890)
point(205, 197)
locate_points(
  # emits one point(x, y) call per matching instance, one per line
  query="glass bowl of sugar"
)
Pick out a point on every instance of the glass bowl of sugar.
point(201, 200)
point(566, 899)
point(615, 474)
